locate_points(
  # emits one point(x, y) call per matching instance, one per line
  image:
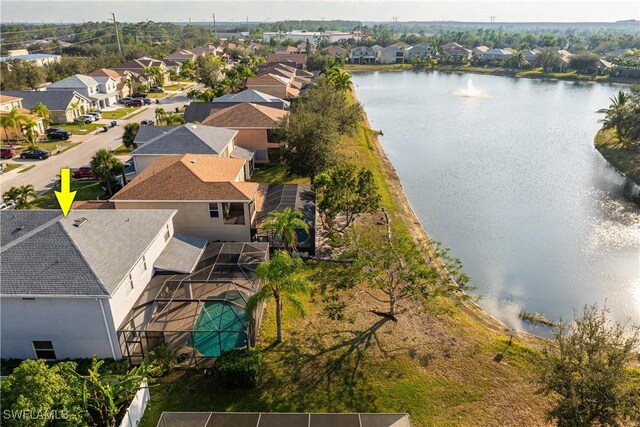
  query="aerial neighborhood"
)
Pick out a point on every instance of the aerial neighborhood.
point(195, 205)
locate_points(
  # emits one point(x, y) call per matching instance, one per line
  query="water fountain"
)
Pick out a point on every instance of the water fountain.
point(471, 91)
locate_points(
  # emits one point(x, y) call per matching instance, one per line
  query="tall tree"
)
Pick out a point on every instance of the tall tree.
point(30, 130)
point(14, 121)
point(284, 225)
point(161, 114)
point(281, 279)
point(586, 370)
point(584, 62)
point(130, 132)
point(105, 167)
point(548, 58)
point(343, 193)
point(21, 197)
point(41, 110)
point(208, 70)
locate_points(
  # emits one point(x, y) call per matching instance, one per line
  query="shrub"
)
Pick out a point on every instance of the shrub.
point(162, 360)
point(240, 367)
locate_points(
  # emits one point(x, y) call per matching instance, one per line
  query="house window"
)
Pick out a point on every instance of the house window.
point(213, 210)
point(28, 299)
point(44, 350)
point(130, 285)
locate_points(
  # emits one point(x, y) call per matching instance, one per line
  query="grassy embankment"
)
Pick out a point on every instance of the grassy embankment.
point(536, 73)
point(626, 160)
point(438, 365)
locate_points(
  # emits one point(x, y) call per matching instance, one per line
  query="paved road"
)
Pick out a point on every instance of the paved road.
point(43, 175)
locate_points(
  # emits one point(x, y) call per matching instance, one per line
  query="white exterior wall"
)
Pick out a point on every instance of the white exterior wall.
point(123, 298)
point(75, 326)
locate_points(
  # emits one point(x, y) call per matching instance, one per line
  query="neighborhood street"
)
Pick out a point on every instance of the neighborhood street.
point(43, 175)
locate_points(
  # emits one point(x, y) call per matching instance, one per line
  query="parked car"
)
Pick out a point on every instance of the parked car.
point(125, 100)
point(146, 101)
point(58, 133)
point(82, 172)
point(147, 123)
point(7, 153)
point(134, 103)
point(156, 89)
point(139, 95)
point(86, 118)
point(35, 154)
point(95, 114)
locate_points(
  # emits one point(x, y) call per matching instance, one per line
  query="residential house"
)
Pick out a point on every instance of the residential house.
point(198, 111)
point(496, 54)
point(603, 66)
point(64, 105)
point(39, 59)
point(256, 126)
point(479, 50)
point(274, 85)
point(208, 49)
point(393, 55)
point(69, 283)
point(457, 51)
point(530, 54)
point(9, 103)
point(312, 36)
point(182, 55)
point(213, 200)
point(157, 142)
point(617, 52)
point(421, 50)
point(138, 66)
point(299, 59)
point(565, 57)
point(102, 94)
point(288, 50)
point(337, 51)
point(362, 55)
point(123, 80)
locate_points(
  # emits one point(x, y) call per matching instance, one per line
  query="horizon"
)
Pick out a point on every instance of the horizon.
point(375, 11)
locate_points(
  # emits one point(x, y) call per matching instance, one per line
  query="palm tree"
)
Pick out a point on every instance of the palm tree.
point(41, 110)
point(614, 115)
point(160, 115)
point(14, 120)
point(75, 108)
point(30, 126)
point(341, 80)
point(173, 119)
point(281, 280)
point(105, 166)
point(284, 225)
point(21, 197)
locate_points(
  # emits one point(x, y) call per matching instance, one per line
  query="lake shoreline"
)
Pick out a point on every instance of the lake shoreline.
point(476, 313)
point(625, 161)
point(526, 74)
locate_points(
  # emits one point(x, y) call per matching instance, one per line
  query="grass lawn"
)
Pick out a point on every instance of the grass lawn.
point(118, 114)
point(80, 129)
point(377, 67)
point(276, 174)
point(177, 86)
point(85, 191)
point(156, 95)
point(137, 110)
point(28, 168)
point(121, 150)
point(626, 160)
point(437, 365)
point(8, 167)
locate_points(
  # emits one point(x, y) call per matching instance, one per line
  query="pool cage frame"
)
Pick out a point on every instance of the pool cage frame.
point(168, 310)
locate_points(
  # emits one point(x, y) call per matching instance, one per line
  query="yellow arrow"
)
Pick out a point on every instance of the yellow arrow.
point(65, 196)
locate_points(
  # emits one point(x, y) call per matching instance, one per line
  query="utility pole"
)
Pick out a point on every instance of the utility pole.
point(214, 24)
point(117, 36)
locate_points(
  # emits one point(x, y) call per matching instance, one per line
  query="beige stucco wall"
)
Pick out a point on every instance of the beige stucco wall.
point(193, 219)
point(255, 139)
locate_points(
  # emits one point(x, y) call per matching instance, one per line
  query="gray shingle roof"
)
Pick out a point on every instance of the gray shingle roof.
point(248, 95)
point(181, 254)
point(75, 81)
point(198, 111)
point(55, 100)
point(188, 138)
point(51, 256)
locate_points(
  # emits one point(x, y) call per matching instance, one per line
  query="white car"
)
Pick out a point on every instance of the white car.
point(87, 118)
point(95, 114)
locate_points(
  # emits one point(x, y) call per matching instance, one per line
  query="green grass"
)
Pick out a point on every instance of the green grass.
point(177, 87)
point(137, 111)
point(52, 146)
point(156, 95)
point(28, 168)
point(121, 150)
point(118, 114)
point(80, 129)
point(85, 191)
point(8, 167)
point(276, 174)
point(626, 160)
point(377, 67)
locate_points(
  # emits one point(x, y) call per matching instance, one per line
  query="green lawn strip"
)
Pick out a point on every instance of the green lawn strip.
point(8, 167)
point(276, 174)
point(135, 113)
point(28, 168)
point(156, 95)
point(626, 160)
point(121, 150)
point(117, 114)
point(78, 129)
point(85, 191)
point(178, 87)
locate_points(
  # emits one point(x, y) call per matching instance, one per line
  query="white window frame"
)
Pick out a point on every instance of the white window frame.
point(216, 210)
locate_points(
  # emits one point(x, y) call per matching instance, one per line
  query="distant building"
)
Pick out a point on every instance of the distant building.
point(102, 93)
point(496, 54)
point(393, 54)
point(457, 51)
point(421, 50)
point(40, 59)
point(479, 50)
point(362, 55)
point(312, 36)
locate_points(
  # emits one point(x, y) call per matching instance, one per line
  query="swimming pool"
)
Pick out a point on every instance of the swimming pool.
point(220, 326)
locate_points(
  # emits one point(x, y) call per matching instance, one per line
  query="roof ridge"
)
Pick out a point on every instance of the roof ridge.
point(31, 233)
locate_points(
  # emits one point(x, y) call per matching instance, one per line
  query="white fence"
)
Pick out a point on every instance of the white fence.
point(137, 407)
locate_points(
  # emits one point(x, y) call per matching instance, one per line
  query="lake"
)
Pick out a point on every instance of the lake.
point(509, 180)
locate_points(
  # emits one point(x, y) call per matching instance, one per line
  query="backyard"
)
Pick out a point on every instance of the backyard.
point(86, 190)
point(276, 174)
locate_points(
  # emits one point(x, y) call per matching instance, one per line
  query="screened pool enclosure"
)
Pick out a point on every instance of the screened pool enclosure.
point(201, 314)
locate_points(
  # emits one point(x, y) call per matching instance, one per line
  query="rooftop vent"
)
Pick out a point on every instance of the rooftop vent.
point(79, 222)
point(194, 160)
point(193, 126)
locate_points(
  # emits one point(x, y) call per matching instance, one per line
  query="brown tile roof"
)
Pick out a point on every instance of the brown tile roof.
point(6, 98)
point(106, 72)
point(246, 115)
point(93, 204)
point(266, 80)
point(292, 92)
point(189, 177)
point(278, 72)
point(298, 58)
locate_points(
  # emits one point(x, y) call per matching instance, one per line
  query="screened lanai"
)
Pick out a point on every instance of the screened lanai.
point(201, 314)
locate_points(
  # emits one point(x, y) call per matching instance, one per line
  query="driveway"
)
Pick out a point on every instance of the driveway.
point(43, 175)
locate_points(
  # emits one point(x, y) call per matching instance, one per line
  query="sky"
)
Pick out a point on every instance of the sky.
point(360, 10)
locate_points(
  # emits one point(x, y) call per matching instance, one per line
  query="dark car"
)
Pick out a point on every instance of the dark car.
point(57, 133)
point(134, 103)
point(125, 100)
point(7, 153)
point(35, 154)
point(82, 172)
point(156, 89)
point(147, 123)
point(139, 95)
point(146, 101)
